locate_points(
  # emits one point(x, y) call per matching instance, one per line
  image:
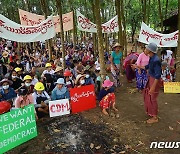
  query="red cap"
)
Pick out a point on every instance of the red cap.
point(67, 73)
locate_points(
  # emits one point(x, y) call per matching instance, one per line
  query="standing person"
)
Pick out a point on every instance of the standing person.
point(151, 90)
point(116, 63)
point(141, 74)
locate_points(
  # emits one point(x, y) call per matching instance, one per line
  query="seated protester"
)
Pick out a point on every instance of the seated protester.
point(23, 99)
point(58, 73)
point(68, 79)
point(60, 91)
point(88, 78)
point(36, 73)
point(3, 70)
point(166, 75)
point(17, 82)
point(19, 73)
point(79, 68)
point(107, 97)
point(52, 64)
point(6, 93)
point(80, 81)
point(48, 70)
point(40, 100)
point(34, 79)
point(98, 82)
point(28, 83)
point(18, 64)
point(48, 83)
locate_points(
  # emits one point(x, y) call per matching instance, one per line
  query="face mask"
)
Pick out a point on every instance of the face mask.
point(82, 82)
point(27, 84)
point(5, 87)
point(87, 75)
point(70, 77)
point(14, 76)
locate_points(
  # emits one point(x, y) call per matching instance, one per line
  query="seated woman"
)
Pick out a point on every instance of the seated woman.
point(166, 75)
point(28, 83)
point(107, 97)
point(80, 81)
point(23, 98)
point(68, 79)
point(88, 78)
point(41, 98)
point(60, 91)
point(6, 93)
point(17, 82)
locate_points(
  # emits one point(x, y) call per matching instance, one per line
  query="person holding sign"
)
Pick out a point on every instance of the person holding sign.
point(80, 80)
point(41, 98)
point(107, 97)
point(151, 90)
point(60, 91)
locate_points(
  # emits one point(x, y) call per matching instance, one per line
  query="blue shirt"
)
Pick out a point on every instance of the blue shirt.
point(116, 57)
point(154, 67)
point(58, 94)
point(104, 92)
point(7, 96)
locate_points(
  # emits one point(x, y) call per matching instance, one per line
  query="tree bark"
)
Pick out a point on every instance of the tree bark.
point(100, 39)
point(148, 11)
point(118, 11)
point(160, 15)
point(124, 26)
point(59, 8)
point(45, 11)
point(178, 48)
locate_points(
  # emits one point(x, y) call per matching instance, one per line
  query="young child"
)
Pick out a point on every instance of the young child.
point(107, 97)
point(166, 75)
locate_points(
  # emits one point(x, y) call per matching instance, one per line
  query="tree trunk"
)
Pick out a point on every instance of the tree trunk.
point(59, 8)
point(144, 11)
point(148, 11)
point(100, 39)
point(74, 30)
point(124, 26)
point(160, 15)
point(178, 48)
point(45, 11)
point(118, 11)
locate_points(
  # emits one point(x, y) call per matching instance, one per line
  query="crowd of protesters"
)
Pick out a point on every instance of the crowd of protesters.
point(23, 81)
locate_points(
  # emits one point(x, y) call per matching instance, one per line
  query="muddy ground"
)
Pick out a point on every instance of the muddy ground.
point(92, 132)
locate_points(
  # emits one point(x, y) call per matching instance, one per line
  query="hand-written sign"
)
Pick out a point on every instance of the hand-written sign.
point(171, 87)
point(17, 127)
point(82, 98)
point(59, 107)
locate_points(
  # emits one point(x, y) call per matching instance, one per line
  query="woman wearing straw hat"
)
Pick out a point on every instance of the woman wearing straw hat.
point(116, 63)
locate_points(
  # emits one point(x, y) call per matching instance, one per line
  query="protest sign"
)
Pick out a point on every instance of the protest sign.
point(59, 107)
point(17, 127)
point(171, 87)
point(148, 35)
point(19, 33)
point(84, 24)
point(82, 98)
point(31, 19)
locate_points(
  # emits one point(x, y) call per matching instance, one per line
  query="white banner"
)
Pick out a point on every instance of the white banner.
point(31, 19)
point(84, 24)
point(148, 35)
point(19, 33)
point(59, 107)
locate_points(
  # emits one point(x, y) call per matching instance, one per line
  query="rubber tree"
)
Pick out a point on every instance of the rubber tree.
point(59, 8)
point(118, 11)
point(44, 8)
point(160, 14)
point(100, 38)
point(178, 49)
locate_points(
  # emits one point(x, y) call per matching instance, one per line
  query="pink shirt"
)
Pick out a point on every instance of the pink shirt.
point(142, 60)
point(19, 102)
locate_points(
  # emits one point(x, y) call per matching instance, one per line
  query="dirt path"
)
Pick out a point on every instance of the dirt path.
point(129, 130)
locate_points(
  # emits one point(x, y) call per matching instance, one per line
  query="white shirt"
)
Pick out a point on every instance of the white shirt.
point(44, 94)
point(47, 72)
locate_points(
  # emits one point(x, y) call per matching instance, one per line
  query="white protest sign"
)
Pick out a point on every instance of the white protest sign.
point(19, 33)
point(148, 35)
point(84, 24)
point(59, 107)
